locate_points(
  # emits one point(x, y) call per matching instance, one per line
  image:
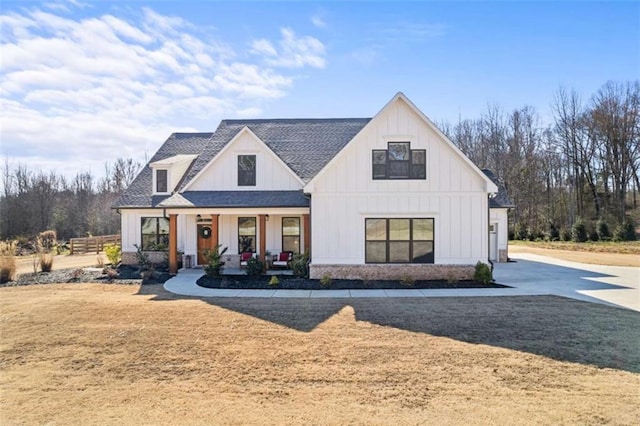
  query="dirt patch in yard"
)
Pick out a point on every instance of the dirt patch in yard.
point(594, 258)
point(108, 354)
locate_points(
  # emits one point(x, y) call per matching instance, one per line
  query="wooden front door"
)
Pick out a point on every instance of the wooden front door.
point(204, 242)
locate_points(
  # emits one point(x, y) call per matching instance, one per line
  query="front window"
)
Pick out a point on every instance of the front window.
point(161, 181)
point(246, 235)
point(399, 161)
point(399, 241)
point(291, 234)
point(155, 234)
point(246, 170)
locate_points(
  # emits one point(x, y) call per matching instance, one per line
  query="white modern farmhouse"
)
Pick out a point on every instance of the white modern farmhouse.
point(369, 198)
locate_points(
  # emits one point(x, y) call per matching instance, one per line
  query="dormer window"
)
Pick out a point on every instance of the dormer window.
point(161, 181)
point(399, 161)
point(246, 170)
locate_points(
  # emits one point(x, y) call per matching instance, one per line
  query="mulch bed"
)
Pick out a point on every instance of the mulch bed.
point(125, 275)
point(294, 283)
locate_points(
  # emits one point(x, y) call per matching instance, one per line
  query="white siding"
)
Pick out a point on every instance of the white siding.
point(500, 217)
point(271, 174)
point(345, 194)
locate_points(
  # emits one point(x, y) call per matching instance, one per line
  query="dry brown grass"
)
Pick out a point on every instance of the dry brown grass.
point(100, 354)
point(622, 247)
point(592, 257)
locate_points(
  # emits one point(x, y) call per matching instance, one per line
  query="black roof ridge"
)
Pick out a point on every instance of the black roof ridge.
point(289, 120)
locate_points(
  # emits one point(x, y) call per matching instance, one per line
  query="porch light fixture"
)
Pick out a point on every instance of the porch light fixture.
point(267, 217)
point(198, 217)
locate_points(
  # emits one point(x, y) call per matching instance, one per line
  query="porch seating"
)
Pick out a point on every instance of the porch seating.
point(282, 260)
point(244, 258)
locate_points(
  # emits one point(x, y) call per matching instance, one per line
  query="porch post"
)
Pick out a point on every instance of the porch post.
point(173, 243)
point(263, 237)
point(307, 233)
point(214, 231)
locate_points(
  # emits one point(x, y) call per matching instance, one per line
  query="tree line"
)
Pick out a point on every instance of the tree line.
point(583, 167)
point(35, 200)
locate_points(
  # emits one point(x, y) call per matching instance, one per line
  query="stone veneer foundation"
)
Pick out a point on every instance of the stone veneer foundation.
point(155, 257)
point(393, 272)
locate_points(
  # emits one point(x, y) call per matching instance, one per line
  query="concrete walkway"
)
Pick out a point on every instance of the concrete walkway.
point(530, 275)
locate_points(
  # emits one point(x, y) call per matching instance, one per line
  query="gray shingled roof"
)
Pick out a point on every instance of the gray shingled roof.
point(501, 200)
point(305, 145)
point(226, 199)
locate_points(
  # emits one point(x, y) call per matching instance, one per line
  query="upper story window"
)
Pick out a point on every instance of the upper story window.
point(246, 170)
point(162, 181)
point(399, 161)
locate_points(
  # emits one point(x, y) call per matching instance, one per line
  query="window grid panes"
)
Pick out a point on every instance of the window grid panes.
point(399, 161)
point(246, 235)
point(399, 240)
point(154, 233)
point(161, 181)
point(291, 234)
point(246, 170)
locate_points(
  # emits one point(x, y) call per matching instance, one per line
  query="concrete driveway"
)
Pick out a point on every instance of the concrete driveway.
point(535, 274)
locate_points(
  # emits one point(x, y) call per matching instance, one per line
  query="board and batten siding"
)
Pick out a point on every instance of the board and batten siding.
point(271, 174)
point(454, 194)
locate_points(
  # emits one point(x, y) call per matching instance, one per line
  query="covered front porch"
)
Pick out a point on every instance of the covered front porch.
point(265, 233)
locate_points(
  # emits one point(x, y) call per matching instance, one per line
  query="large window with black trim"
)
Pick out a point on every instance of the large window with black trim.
point(246, 234)
point(246, 170)
point(399, 161)
point(155, 233)
point(291, 234)
point(399, 240)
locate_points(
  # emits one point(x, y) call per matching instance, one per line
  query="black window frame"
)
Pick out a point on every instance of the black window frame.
point(247, 177)
point(161, 240)
point(415, 170)
point(253, 244)
point(298, 235)
point(164, 181)
point(429, 260)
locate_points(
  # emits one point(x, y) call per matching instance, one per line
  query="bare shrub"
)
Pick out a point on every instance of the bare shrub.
point(46, 261)
point(7, 261)
point(47, 240)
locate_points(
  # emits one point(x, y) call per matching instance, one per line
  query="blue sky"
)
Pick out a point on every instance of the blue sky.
point(83, 83)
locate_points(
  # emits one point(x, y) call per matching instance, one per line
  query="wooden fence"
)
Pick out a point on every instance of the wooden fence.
point(92, 244)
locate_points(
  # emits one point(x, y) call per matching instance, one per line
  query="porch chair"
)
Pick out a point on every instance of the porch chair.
point(244, 258)
point(282, 260)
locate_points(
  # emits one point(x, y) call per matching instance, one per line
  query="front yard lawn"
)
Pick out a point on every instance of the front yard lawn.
point(95, 354)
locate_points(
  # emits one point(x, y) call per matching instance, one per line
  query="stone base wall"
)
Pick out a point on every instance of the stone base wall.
point(502, 256)
point(155, 257)
point(393, 272)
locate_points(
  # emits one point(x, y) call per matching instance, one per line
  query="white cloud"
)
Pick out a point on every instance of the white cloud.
point(79, 92)
point(292, 52)
point(317, 21)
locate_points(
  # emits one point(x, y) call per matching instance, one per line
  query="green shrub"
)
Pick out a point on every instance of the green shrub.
point(579, 231)
point(565, 234)
point(113, 253)
point(603, 230)
point(483, 273)
point(300, 265)
point(521, 232)
point(626, 231)
point(254, 267)
point(554, 232)
point(7, 261)
point(143, 259)
point(274, 281)
point(46, 261)
point(214, 261)
point(593, 235)
point(326, 280)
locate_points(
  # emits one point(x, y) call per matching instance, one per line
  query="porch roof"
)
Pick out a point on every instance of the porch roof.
point(237, 199)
